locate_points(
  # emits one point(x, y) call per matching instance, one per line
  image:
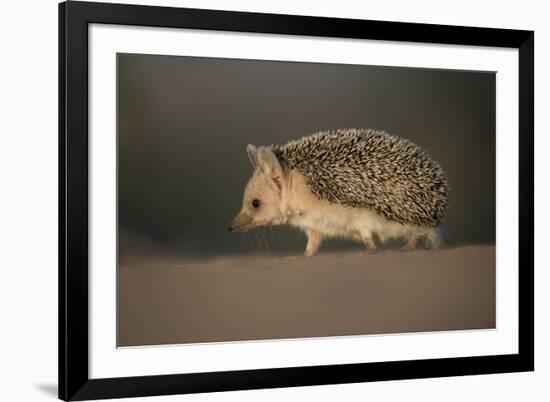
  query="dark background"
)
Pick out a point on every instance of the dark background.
point(184, 123)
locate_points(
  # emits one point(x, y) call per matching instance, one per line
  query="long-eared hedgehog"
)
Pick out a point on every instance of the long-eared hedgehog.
point(352, 183)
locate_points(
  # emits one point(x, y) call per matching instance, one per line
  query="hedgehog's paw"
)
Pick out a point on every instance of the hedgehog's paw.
point(370, 251)
point(314, 239)
point(370, 245)
point(410, 245)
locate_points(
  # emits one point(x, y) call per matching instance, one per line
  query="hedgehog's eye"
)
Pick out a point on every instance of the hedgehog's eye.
point(256, 203)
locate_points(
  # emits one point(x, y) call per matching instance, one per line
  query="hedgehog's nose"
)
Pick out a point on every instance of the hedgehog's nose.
point(233, 226)
point(239, 222)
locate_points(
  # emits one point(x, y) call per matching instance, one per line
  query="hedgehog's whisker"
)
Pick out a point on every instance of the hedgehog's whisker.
point(250, 240)
point(266, 244)
point(257, 243)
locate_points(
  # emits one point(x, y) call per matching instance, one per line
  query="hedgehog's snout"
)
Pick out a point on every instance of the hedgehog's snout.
point(240, 222)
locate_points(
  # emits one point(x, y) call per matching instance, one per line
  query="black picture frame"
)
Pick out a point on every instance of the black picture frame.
point(74, 381)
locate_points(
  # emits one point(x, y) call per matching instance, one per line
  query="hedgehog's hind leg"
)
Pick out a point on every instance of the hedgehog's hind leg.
point(411, 243)
point(314, 239)
point(368, 241)
point(435, 238)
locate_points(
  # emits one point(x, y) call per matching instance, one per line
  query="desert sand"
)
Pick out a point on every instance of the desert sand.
point(169, 300)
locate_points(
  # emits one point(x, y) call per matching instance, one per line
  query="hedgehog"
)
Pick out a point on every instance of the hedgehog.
point(360, 184)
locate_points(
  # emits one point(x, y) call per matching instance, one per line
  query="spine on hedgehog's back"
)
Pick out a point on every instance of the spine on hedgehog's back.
point(371, 169)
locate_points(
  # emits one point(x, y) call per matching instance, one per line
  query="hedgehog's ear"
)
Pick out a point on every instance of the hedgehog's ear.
point(269, 163)
point(252, 152)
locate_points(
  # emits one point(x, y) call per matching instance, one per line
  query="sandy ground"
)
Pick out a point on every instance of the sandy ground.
point(170, 300)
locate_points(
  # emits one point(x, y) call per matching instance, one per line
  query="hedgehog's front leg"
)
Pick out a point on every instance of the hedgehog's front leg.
point(313, 242)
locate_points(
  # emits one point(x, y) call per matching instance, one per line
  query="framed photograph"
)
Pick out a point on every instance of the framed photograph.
point(257, 201)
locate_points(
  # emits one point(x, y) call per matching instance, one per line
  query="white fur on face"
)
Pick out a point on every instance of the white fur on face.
point(263, 190)
point(264, 194)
